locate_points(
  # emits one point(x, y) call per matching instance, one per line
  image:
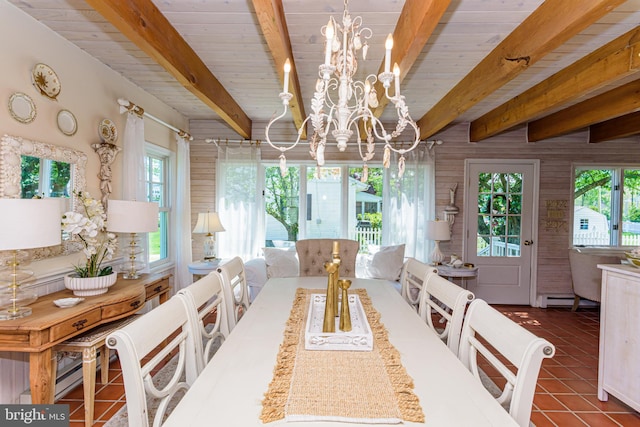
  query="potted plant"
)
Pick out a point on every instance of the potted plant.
point(88, 227)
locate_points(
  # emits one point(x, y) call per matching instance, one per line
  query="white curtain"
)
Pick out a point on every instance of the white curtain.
point(409, 202)
point(239, 202)
point(182, 213)
point(133, 177)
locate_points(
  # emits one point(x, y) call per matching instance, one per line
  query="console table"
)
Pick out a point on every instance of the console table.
point(618, 368)
point(49, 325)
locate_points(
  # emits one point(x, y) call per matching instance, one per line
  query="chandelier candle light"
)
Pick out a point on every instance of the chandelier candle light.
point(355, 98)
point(208, 223)
point(24, 224)
point(126, 216)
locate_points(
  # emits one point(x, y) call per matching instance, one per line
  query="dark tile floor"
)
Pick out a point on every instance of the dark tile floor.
point(565, 395)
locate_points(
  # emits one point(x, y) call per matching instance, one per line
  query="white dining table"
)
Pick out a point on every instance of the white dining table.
point(230, 390)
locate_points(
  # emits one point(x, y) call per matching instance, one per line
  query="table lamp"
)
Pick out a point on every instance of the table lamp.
point(208, 223)
point(24, 224)
point(127, 216)
point(437, 231)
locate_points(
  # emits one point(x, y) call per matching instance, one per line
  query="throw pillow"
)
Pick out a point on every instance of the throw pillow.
point(281, 262)
point(387, 263)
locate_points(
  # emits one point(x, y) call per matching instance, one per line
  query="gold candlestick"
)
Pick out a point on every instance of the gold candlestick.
point(345, 313)
point(335, 259)
point(331, 301)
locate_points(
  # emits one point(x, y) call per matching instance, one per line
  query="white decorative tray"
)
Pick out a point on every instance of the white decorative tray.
point(359, 338)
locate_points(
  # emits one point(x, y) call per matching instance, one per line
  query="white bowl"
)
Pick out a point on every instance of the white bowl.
point(67, 302)
point(89, 286)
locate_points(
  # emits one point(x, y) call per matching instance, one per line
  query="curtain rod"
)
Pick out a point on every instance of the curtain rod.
point(226, 141)
point(126, 105)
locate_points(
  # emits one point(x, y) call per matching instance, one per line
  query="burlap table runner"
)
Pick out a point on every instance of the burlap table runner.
point(354, 386)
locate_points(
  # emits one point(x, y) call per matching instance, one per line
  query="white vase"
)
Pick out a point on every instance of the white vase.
point(89, 286)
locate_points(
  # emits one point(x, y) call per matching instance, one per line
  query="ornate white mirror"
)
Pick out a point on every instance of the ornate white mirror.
point(29, 168)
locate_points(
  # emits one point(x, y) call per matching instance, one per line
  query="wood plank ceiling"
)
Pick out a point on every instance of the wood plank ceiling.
point(555, 65)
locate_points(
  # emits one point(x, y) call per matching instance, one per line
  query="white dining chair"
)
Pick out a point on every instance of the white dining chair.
point(517, 356)
point(143, 346)
point(208, 311)
point(236, 290)
point(442, 306)
point(412, 280)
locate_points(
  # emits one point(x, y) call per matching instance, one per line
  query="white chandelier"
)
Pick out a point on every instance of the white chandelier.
point(355, 98)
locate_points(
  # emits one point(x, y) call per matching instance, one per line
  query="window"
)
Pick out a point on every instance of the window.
point(606, 205)
point(45, 178)
point(312, 202)
point(157, 182)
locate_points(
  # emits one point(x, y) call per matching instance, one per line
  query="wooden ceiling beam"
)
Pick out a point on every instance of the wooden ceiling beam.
point(415, 25)
point(620, 127)
point(611, 62)
point(614, 103)
point(548, 27)
point(142, 23)
point(270, 14)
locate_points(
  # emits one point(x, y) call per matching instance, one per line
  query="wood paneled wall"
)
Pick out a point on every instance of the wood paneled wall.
point(556, 158)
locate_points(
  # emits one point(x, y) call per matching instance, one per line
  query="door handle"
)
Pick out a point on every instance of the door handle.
point(528, 242)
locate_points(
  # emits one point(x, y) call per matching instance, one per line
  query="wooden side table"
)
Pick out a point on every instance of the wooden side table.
point(49, 325)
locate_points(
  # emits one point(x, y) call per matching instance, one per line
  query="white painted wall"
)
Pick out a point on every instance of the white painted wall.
point(89, 90)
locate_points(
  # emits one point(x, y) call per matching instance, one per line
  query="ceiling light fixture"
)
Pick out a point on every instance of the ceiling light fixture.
point(340, 101)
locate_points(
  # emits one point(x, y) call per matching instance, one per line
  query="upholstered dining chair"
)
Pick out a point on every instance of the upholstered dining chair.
point(517, 356)
point(143, 346)
point(412, 280)
point(208, 311)
point(313, 253)
point(442, 306)
point(236, 290)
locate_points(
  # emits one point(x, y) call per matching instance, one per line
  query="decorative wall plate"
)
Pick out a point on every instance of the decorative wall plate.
point(22, 108)
point(67, 122)
point(107, 131)
point(46, 81)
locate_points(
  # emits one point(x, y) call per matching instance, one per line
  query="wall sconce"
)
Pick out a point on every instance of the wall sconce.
point(24, 224)
point(126, 216)
point(208, 223)
point(451, 210)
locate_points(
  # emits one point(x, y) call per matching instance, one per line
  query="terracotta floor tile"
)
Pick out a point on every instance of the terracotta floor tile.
point(554, 386)
point(581, 386)
point(111, 393)
point(627, 420)
point(597, 419)
point(565, 393)
point(575, 402)
point(547, 402)
point(565, 419)
point(540, 419)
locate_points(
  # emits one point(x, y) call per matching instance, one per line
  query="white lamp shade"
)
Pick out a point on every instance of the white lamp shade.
point(127, 216)
point(208, 223)
point(438, 230)
point(29, 223)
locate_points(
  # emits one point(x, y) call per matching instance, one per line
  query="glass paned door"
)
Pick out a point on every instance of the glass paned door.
point(499, 214)
point(499, 235)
